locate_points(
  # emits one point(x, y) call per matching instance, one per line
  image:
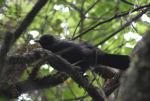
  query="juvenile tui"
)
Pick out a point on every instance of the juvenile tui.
point(83, 54)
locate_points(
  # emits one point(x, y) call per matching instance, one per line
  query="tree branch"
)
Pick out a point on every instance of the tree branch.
point(63, 66)
point(123, 26)
point(29, 18)
point(110, 19)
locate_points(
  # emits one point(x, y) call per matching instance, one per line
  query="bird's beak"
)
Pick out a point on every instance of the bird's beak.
point(37, 41)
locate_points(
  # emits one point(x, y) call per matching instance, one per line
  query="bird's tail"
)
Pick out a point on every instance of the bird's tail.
point(115, 61)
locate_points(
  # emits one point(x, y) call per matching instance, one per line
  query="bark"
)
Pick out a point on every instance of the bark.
point(135, 84)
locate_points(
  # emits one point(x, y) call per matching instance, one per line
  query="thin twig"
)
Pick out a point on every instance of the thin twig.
point(84, 16)
point(110, 19)
point(127, 2)
point(123, 26)
point(73, 6)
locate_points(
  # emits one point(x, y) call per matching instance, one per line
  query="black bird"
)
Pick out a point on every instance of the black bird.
point(83, 54)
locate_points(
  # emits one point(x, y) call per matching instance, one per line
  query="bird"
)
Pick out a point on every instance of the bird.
point(83, 54)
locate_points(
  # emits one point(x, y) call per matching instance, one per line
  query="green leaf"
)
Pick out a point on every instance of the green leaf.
point(1, 2)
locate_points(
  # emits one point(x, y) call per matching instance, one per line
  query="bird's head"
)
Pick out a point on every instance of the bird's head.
point(46, 40)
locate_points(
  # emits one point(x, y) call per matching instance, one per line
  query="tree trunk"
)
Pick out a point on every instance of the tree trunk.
point(135, 84)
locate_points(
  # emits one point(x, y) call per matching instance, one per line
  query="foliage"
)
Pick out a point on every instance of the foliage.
point(66, 19)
